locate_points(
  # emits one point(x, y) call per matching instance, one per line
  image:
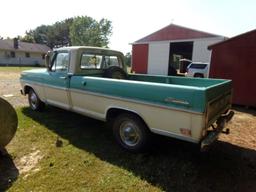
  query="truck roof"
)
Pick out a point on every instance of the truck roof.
point(87, 47)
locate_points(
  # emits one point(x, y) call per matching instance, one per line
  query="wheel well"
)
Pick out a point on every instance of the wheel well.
point(114, 112)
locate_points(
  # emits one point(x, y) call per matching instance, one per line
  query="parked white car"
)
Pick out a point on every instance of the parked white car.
point(197, 69)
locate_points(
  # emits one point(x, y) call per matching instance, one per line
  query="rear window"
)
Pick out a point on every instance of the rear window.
point(198, 66)
point(93, 61)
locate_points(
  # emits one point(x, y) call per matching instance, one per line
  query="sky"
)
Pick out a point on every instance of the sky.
point(133, 19)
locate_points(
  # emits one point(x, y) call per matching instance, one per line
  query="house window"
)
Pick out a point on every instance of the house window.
point(27, 54)
point(12, 54)
point(43, 56)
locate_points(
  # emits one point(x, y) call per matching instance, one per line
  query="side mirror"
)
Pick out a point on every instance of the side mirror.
point(48, 60)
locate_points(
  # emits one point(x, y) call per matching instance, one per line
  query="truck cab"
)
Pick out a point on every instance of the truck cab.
point(89, 61)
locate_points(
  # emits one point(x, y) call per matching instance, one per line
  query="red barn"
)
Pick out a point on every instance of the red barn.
point(235, 59)
point(157, 52)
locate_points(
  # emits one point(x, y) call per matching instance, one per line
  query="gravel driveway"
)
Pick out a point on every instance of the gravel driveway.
point(10, 88)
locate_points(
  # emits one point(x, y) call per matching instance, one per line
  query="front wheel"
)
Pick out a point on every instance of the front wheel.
point(131, 133)
point(34, 102)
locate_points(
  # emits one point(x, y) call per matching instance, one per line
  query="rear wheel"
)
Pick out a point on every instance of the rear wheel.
point(34, 102)
point(131, 133)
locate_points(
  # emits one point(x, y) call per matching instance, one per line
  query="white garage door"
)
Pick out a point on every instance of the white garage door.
point(158, 58)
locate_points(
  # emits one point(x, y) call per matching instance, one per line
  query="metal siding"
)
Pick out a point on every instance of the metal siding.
point(158, 58)
point(200, 51)
point(235, 59)
point(140, 58)
point(2, 53)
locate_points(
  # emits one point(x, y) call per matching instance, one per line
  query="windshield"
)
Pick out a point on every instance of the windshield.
point(198, 66)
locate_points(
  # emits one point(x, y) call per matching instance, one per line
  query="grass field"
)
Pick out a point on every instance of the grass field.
point(90, 160)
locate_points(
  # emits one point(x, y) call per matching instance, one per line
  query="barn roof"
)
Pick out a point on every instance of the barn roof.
point(23, 46)
point(175, 32)
point(243, 35)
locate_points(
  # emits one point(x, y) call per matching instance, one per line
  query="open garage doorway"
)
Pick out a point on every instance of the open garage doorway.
point(180, 51)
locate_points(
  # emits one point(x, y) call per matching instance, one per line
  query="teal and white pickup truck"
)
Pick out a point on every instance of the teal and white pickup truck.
point(94, 82)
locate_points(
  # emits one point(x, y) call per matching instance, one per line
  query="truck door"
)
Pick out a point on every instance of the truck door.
point(57, 81)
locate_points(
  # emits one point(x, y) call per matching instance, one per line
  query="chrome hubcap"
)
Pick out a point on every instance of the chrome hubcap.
point(33, 100)
point(129, 133)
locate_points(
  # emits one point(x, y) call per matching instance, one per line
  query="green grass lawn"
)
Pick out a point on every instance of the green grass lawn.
point(90, 160)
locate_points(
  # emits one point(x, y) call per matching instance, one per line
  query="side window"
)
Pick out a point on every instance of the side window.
point(112, 61)
point(61, 62)
point(90, 61)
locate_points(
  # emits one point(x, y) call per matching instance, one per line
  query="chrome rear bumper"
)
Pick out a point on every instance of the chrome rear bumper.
point(213, 134)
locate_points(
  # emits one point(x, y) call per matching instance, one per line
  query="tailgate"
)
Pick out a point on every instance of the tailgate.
point(219, 99)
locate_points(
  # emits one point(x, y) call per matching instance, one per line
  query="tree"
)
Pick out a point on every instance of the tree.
point(72, 31)
point(87, 31)
point(127, 59)
point(56, 35)
point(39, 35)
point(28, 38)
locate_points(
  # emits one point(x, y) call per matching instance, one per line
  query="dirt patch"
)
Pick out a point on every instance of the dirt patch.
point(242, 129)
point(29, 162)
point(10, 88)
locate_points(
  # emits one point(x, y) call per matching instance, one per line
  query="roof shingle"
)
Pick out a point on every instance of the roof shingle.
point(175, 32)
point(23, 46)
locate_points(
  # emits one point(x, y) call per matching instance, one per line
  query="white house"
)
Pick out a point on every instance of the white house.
point(14, 52)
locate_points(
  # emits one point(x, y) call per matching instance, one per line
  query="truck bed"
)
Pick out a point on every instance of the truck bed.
point(213, 89)
point(191, 94)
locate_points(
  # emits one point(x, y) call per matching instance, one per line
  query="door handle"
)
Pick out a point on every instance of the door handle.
point(176, 101)
point(63, 77)
point(84, 83)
